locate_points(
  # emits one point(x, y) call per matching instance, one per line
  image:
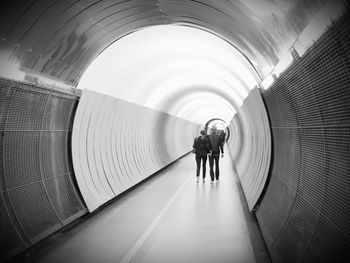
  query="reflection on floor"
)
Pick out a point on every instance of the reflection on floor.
point(169, 218)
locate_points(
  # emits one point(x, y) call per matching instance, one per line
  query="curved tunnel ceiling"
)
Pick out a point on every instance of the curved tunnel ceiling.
point(59, 39)
point(186, 72)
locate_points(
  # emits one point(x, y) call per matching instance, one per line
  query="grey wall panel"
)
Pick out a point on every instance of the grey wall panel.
point(81, 124)
point(98, 180)
point(115, 153)
point(37, 191)
point(309, 109)
point(117, 144)
point(96, 123)
point(105, 160)
point(250, 146)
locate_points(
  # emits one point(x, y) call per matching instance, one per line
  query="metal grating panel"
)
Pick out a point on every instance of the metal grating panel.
point(63, 196)
point(26, 110)
point(336, 207)
point(316, 90)
point(35, 126)
point(54, 154)
point(9, 238)
point(328, 244)
point(299, 227)
point(6, 94)
point(21, 158)
point(288, 165)
point(57, 113)
point(2, 177)
point(5, 99)
point(33, 209)
point(276, 207)
point(284, 114)
point(313, 177)
point(303, 99)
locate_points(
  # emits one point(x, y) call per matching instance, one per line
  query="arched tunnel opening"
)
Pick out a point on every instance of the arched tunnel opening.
point(221, 126)
point(98, 96)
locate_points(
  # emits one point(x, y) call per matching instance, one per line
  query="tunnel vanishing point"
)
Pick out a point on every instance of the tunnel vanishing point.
point(65, 151)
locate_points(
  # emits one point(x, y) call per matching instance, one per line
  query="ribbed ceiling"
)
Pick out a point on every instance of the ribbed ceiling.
point(59, 38)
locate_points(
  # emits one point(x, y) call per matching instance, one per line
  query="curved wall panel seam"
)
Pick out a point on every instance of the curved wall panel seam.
point(123, 142)
point(93, 152)
point(79, 156)
point(250, 146)
point(105, 157)
point(142, 141)
point(98, 145)
point(136, 147)
point(117, 169)
point(89, 153)
point(120, 158)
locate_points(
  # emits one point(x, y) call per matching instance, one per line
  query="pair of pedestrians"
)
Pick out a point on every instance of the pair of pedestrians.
point(208, 145)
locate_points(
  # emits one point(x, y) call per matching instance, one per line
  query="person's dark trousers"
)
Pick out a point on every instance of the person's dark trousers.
point(204, 163)
point(213, 159)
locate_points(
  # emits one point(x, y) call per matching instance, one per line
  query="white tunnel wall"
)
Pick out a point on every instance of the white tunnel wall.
point(116, 144)
point(250, 146)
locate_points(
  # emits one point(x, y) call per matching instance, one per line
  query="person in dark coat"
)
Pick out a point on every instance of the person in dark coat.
point(216, 146)
point(223, 137)
point(201, 148)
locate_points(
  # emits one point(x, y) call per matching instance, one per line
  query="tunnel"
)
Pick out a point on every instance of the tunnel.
point(99, 98)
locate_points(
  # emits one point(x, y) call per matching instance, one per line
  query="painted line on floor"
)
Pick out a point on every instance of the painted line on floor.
point(152, 226)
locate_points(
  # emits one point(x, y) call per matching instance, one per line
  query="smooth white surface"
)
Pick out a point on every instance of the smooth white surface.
point(116, 144)
point(79, 154)
point(181, 70)
point(250, 146)
point(140, 242)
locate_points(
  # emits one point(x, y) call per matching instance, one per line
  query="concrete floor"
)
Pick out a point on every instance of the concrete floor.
point(169, 218)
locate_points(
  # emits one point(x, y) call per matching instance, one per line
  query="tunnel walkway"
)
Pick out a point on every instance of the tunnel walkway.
point(169, 218)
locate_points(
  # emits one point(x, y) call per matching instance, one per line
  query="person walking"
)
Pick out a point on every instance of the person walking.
point(201, 148)
point(216, 146)
point(223, 137)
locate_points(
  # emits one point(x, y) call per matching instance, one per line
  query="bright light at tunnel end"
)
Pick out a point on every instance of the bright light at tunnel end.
point(162, 67)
